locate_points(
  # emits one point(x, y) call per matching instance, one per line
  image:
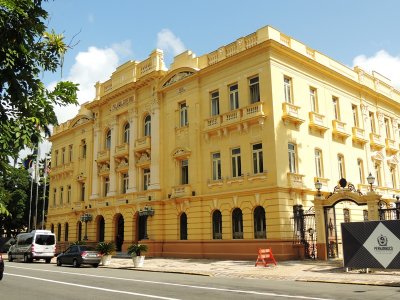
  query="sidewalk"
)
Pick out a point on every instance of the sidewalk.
point(306, 270)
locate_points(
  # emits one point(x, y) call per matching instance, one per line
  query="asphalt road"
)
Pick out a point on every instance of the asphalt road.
point(47, 281)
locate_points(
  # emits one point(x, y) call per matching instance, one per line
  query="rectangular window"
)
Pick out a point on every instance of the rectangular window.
point(393, 176)
point(378, 174)
point(254, 88)
point(313, 99)
point(185, 171)
point(387, 127)
point(355, 115)
point(106, 185)
point(61, 195)
point(335, 103)
point(83, 145)
point(183, 114)
point(70, 149)
point(287, 86)
point(346, 215)
point(216, 166)
point(234, 96)
point(54, 197)
point(146, 179)
point(215, 103)
point(318, 163)
point(258, 165)
point(83, 191)
point(63, 155)
point(125, 180)
point(68, 194)
point(292, 158)
point(372, 121)
point(56, 158)
point(236, 163)
point(360, 170)
point(341, 170)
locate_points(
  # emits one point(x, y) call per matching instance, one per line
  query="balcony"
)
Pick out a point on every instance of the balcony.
point(143, 144)
point(236, 119)
point(339, 129)
point(103, 155)
point(376, 141)
point(291, 114)
point(122, 150)
point(391, 146)
point(358, 135)
point(317, 121)
point(295, 180)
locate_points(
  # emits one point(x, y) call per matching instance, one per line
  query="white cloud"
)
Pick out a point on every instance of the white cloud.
point(383, 63)
point(167, 41)
point(91, 66)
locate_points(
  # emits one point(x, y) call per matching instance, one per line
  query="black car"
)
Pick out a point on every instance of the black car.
point(1, 267)
point(77, 255)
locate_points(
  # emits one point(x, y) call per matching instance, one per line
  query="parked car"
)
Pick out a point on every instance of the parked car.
point(77, 255)
point(1, 267)
point(37, 244)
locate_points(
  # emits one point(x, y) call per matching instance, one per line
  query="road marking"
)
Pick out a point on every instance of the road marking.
point(93, 287)
point(179, 285)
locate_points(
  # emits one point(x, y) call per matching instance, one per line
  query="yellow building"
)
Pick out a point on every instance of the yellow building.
point(220, 154)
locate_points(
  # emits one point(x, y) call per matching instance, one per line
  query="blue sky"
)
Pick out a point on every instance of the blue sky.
point(109, 33)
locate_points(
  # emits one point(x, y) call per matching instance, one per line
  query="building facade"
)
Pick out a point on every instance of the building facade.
point(219, 155)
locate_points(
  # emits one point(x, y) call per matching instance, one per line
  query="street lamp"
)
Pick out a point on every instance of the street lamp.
point(371, 180)
point(146, 211)
point(318, 186)
point(86, 218)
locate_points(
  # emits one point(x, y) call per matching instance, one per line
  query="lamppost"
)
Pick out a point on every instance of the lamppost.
point(371, 180)
point(318, 186)
point(86, 218)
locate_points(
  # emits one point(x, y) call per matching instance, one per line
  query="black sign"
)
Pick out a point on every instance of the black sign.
point(374, 244)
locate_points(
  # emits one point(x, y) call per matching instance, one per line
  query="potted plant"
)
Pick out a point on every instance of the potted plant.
point(136, 251)
point(105, 249)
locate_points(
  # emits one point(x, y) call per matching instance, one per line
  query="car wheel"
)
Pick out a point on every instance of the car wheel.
point(10, 258)
point(59, 263)
point(75, 263)
point(48, 260)
point(95, 265)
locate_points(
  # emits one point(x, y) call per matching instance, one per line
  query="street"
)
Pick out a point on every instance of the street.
point(47, 281)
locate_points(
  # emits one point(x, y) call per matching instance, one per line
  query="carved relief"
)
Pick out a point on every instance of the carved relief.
point(144, 157)
point(121, 103)
point(178, 77)
point(81, 121)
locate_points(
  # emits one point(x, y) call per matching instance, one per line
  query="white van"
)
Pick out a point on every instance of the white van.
point(37, 244)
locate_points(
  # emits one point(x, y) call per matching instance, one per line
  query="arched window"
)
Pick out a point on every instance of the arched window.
point(101, 228)
point(183, 227)
point(147, 126)
point(108, 139)
point(66, 232)
point(126, 133)
point(259, 223)
point(58, 232)
point(217, 225)
point(237, 223)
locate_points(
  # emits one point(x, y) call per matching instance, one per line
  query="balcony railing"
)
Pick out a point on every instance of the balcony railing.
point(103, 155)
point(143, 144)
point(122, 150)
point(339, 129)
point(358, 135)
point(317, 121)
point(391, 146)
point(376, 141)
point(295, 180)
point(291, 114)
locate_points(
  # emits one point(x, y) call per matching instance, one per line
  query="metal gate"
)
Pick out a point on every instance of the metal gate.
point(305, 230)
point(389, 212)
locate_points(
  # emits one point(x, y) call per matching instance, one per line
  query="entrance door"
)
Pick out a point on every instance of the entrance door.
point(120, 233)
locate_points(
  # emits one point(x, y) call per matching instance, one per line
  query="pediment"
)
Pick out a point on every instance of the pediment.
point(177, 75)
point(181, 153)
point(79, 120)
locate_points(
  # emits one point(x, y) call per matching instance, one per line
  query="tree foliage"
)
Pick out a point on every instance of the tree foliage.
point(27, 49)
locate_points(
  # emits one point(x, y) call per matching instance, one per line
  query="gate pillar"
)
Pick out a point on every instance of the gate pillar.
point(320, 227)
point(373, 208)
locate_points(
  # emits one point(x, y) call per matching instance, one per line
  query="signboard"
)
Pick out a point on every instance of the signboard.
point(373, 244)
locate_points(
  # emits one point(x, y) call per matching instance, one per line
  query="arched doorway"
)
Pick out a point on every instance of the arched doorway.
point(141, 227)
point(79, 229)
point(119, 234)
point(101, 226)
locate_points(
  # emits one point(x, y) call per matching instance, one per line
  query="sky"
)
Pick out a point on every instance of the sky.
point(105, 34)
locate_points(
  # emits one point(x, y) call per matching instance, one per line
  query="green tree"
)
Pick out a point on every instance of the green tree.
point(27, 50)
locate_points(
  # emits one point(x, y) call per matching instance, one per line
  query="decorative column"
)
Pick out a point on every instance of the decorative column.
point(113, 177)
point(320, 226)
point(133, 122)
point(155, 144)
point(96, 144)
